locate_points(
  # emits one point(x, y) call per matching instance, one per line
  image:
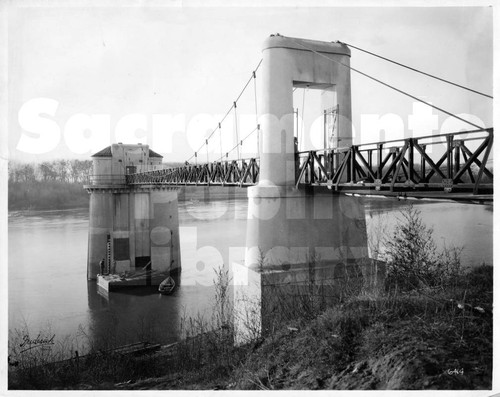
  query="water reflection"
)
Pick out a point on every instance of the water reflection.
point(466, 226)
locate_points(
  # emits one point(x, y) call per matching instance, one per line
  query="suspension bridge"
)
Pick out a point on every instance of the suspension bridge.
point(458, 168)
point(302, 202)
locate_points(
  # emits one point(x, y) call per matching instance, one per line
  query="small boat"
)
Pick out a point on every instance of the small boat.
point(167, 286)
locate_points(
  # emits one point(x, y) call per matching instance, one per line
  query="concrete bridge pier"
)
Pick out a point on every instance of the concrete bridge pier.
point(134, 229)
point(297, 238)
point(303, 248)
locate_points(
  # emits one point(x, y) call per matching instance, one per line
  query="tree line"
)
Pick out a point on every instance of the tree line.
point(68, 171)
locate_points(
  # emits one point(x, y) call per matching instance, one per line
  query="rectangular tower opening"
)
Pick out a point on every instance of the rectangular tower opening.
point(315, 107)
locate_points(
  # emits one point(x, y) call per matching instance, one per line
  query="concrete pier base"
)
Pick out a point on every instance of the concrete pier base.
point(266, 297)
point(129, 228)
point(292, 226)
point(306, 250)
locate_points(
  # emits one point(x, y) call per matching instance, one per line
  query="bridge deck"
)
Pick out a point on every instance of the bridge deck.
point(429, 195)
point(454, 166)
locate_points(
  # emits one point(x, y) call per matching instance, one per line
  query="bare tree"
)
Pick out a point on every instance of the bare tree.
point(85, 170)
point(61, 170)
point(71, 171)
point(74, 169)
point(27, 172)
point(46, 171)
point(13, 170)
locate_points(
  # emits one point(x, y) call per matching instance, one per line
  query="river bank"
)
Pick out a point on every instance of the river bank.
point(426, 339)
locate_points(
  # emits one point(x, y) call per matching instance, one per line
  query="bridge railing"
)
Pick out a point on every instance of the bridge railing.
point(242, 172)
point(106, 179)
point(457, 161)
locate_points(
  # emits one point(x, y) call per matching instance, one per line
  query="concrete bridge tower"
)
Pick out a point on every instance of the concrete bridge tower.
point(287, 224)
point(289, 228)
point(132, 228)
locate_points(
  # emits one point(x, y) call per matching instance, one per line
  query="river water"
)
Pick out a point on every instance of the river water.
point(49, 292)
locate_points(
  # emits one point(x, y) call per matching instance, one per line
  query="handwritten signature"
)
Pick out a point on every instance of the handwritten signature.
point(39, 341)
point(455, 371)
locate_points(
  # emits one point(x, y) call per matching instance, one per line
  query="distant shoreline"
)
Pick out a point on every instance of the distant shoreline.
point(28, 211)
point(57, 195)
point(46, 195)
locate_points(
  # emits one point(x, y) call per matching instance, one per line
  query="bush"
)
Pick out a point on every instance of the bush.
point(412, 258)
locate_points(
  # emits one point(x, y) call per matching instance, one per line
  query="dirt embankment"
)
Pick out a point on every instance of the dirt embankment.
point(403, 355)
point(420, 340)
point(417, 342)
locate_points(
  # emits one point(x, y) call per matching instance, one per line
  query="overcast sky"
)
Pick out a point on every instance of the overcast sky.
point(185, 61)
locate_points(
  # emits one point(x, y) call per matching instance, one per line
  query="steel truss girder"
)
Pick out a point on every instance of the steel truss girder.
point(242, 172)
point(406, 166)
point(398, 165)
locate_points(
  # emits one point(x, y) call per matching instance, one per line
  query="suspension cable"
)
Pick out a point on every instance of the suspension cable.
point(416, 70)
point(236, 130)
point(256, 112)
point(387, 85)
point(206, 142)
point(249, 80)
point(220, 139)
point(240, 142)
point(253, 76)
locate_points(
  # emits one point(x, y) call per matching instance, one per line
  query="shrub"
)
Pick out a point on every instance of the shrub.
point(413, 260)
